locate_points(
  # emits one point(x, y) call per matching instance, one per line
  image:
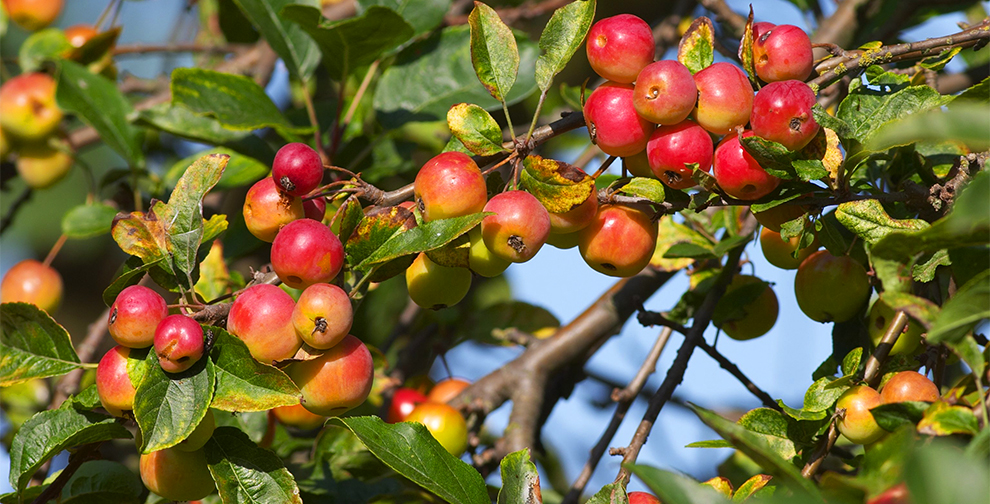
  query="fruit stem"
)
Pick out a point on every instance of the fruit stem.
point(54, 251)
point(536, 115)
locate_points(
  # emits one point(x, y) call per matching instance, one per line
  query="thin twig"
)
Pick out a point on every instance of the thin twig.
point(176, 47)
point(734, 370)
point(22, 198)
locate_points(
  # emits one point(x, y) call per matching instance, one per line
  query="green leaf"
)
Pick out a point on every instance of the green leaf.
point(869, 220)
point(244, 384)
point(559, 186)
point(713, 443)
point(183, 122)
point(966, 124)
point(184, 213)
point(562, 36)
point(696, 49)
point(969, 305)
point(943, 419)
point(289, 41)
point(245, 472)
point(428, 236)
point(41, 46)
point(240, 171)
point(168, 407)
point(782, 163)
point(938, 473)
point(673, 488)
point(422, 15)
point(892, 416)
point(47, 433)
point(887, 97)
point(410, 450)
point(375, 229)
point(689, 250)
point(99, 481)
point(87, 399)
point(494, 53)
point(823, 393)
point(613, 493)
point(87, 221)
point(32, 345)
point(851, 362)
point(475, 128)
point(486, 324)
point(646, 188)
point(771, 427)
point(132, 272)
point(352, 43)
point(441, 68)
point(745, 52)
point(520, 481)
point(237, 102)
point(98, 102)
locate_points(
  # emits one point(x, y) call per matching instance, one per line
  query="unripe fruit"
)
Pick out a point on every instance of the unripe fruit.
point(642, 498)
point(434, 286)
point(725, 98)
point(672, 148)
point(881, 316)
point(481, 260)
point(738, 174)
point(564, 241)
point(780, 253)
point(336, 381)
point(782, 114)
point(829, 288)
point(33, 15)
point(450, 185)
point(315, 208)
point(760, 313)
point(299, 417)
point(576, 218)
point(858, 424)
point(199, 436)
point(297, 169)
point(135, 315)
point(178, 343)
point(113, 383)
point(28, 104)
point(619, 242)
point(445, 423)
point(306, 252)
point(404, 400)
point(177, 475)
point(4, 145)
point(266, 209)
point(262, 318)
point(665, 92)
point(620, 46)
point(41, 165)
point(30, 281)
point(613, 122)
point(519, 227)
point(773, 218)
point(781, 53)
point(638, 165)
point(909, 386)
point(445, 390)
point(323, 315)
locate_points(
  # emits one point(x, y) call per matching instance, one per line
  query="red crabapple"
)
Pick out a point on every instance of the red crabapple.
point(336, 381)
point(29, 109)
point(178, 343)
point(113, 382)
point(671, 148)
point(519, 227)
point(619, 242)
point(135, 315)
point(450, 185)
point(725, 98)
point(909, 386)
point(306, 252)
point(782, 114)
point(783, 53)
point(31, 281)
point(297, 169)
point(315, 208)
point(404, 400)
point(267, 209)
point(620, 46)
point(323, 315)
point(642, 498)
point(613, 122)
point(665, 92)
point(738, 174)
point(261, 317)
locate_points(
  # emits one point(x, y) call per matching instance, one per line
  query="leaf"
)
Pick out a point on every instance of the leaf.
point(892, 416)
point(352, 43)
point(237, 102)
point(823, 393)
point(168, 407)
point(133, 270)
point(966, 124)
point(98, 102)
point(485, 324)
point(868, 220)
point(422, 15)
point(183, 215)
point(943, 419)
point(41, 46)
point(410, 450)
point(647, 188)
point(102, 481)
point(214, 277)
point(689, 250)
point(520, 481)
point(751, 486)
point(87, 221)
point(886, 97)
point(243, 383)
point(745, 52)
point(289, 41)
point(969, 351)
point(969, 305)
point(375, 229)
point(245, 472)
point(47, 433)
point(674, 488)
point(713, 443)
point(475, 128)
point(32, 345)
point(772, 428)
point(938, 473)
point(696, 49)
point(241, 170)
point(428, 236)
point(562, 36)
point(783, 163)
point(494, 53)
point(183, 122)
point(559, 186)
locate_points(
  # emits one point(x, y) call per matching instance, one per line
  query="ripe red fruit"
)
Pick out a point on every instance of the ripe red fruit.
point(30, 281)
point(29, 109)
point(267, 209)
point(113, 383)
point(450, 185)
point(620, 46)
point(576, 218)
point(909, 386)
point(782, 114)
point(858, 424)
point(613, 122)
point(725, 98)
point(135, 315)
point(665, 92)
point(783, 52)
point(323, 315)
point(760, 28)
point(642, 498)
point(830, 288)
point(404, 400)
point(447, 389)
point(671, 148)
point(315, 208)
point(619, 242)
point(897, 494)
point(519, 227)
point(738, 174)
point(336, 381)
point(445, 423)
point(33, 15)
point(262, 318)
point(306, 252)
point(178, 343)
point(297, 169)
point(78, 35)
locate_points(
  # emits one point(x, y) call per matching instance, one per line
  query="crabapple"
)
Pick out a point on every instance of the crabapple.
point(481, 260)
point(445, 390)
point(772, 218)
point(519, 227)
point(5, 146)
point(738, 174)
point(909, 386)
point(315, 208)
point(620, 46)
point(564, 241)
point(782, 114)
point(642, 498)
point(780, 253)
point(665, 92)
point(29, 109)
point(306, 252)
point(445, 423)
point(760, 28)
point(336, 381)
point(725, 98)
point(262, 318)
point(450, 185)
point(200, 435)
point(40, 165)
point(434, 286)
point(135, 315)
point(759, 314)
point(881, 316)
point(33, 15)
point(31, 281)
point(619, 242)
point(178, 343)
point(323, 315)
point(267, 209)
point(858, 424)
point(830, 288)
point(78, 35)
point(672, 148)
point(638, 165)
point(781, 53)
point(297, 169)
point(897, 494)
point(114, 384)
point(613, 122)
point(177, 475)
point(297, 416)
point(577, 218)
point(404, 400)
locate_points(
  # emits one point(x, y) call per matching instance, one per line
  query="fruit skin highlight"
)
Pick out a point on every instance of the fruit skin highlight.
point(620, 46)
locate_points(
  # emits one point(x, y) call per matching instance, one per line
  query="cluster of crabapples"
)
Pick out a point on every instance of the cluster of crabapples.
point(430, 408)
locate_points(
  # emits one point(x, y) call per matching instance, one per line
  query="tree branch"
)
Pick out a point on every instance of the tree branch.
point(734, 370)
point(69, 384)
point(86, 453)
